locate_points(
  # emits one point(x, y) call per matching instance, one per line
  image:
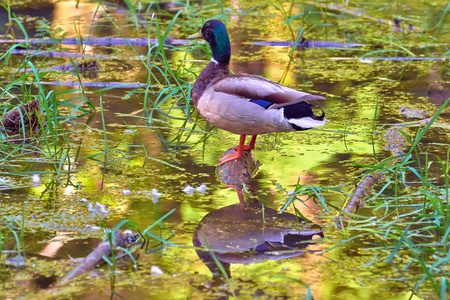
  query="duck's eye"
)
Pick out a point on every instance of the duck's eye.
point(209, 34)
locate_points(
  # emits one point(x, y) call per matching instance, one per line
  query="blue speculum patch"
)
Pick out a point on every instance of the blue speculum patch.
point(263, 103)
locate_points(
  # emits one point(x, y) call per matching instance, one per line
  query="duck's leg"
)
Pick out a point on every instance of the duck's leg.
point(251, 146)
point(239, 152)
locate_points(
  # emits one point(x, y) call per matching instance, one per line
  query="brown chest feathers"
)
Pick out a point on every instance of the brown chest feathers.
point(212, 72)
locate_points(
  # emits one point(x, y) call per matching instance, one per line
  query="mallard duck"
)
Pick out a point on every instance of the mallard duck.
point(246, 104)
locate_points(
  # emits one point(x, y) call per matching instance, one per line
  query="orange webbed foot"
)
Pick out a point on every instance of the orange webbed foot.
point(239, 150)
point(229, 157)
point(244, 148)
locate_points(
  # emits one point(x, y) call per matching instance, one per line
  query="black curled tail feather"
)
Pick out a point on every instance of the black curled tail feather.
point(316, 117)
point(301, 116)
point(302, 110)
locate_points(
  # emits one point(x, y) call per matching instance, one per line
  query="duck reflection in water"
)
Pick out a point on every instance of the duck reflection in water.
point(249, 233)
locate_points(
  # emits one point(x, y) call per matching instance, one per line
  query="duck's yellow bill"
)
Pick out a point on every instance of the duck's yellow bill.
point(197, 35)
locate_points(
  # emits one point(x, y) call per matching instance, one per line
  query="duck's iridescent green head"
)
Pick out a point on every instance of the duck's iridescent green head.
point(215, 33)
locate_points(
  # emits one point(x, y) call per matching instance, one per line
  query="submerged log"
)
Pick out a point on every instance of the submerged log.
point(51, 53)
point(147, 42)
point(96, 256)
point(91, 41)
point(25, 115)
point(356, 201)
point(395, 143)
point(117, 85)
point(238, 173)
point(88, 67)
point(308, 44)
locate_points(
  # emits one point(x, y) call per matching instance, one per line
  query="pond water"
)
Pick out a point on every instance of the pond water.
point(49, 191)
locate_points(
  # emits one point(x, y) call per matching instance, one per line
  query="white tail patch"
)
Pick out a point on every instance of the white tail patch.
point(307, 122)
